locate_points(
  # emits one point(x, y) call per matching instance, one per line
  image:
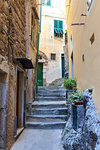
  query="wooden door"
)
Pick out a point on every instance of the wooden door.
point(63, 66)
point(40, 74)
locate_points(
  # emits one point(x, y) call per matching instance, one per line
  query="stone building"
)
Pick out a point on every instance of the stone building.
point(19, 27)
point(83, 21)
point(51, 56)
point(32, 30)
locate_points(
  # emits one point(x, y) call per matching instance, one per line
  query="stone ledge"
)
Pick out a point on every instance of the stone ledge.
point(19, 131)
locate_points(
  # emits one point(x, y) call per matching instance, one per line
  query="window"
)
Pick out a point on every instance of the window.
point(32, 30)
point(53, 56)
point(47, 2)
point(58, 28)
point(89, 4)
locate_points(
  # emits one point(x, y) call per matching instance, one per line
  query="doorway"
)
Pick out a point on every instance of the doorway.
point(3, 109)
point(19, 99)
point(40, 74)
point(63, 65)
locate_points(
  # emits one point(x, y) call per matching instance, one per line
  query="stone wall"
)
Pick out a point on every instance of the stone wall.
point(17, 33)
point(19, 14)
point(66, 60)
point(86, 137)
point(32, 47)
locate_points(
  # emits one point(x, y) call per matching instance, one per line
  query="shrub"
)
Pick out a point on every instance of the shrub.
point(70, 84)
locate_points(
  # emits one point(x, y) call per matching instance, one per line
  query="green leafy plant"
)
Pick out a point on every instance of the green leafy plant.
point(76, 97)
point(70, 84)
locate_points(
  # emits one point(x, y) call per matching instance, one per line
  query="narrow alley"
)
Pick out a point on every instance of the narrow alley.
point(45, 121)
point(49, 75)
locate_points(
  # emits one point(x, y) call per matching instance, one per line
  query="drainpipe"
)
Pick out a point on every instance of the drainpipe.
point(38, 45)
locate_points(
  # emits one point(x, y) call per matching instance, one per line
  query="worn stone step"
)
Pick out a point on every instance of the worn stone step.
point(49, 87)
point(52, 91)
point(50, 105)
point(51, 95)
point(50, 98)
point(52, 111)
point(46, 118)
point(45, 125)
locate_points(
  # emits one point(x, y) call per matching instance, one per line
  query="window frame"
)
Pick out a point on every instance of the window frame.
point(53, 54)
point(58, 28)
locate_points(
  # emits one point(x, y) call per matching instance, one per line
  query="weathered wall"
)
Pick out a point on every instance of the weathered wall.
point(87, 136)
point(66, 60)
point(49, 44)
point(18, 34)
point(86, 72)
point(32, 53)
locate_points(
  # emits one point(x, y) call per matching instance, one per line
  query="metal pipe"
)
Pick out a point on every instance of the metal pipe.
point(38, 46)
point(8, 40)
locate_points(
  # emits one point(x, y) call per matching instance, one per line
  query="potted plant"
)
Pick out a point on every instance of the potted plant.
point(70, 85)
point(76, 98)
point(77, 109)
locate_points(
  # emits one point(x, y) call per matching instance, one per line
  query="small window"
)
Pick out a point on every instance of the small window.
point(53, 56)
point(47, 2)
point(58, 28)
point(89, 4)
point(92, 39)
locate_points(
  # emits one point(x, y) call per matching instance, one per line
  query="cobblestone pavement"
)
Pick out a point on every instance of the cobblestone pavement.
point(39, 139)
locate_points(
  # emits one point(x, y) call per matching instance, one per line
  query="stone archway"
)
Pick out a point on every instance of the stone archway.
point(44, 60)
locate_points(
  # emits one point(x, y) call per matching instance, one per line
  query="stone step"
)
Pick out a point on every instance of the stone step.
point(50, 105)
point(50, 98)
point(46, 118)
point(50, 87)
point(52, 111)
point(55, 91)
point(46, 125)
point(51, 95)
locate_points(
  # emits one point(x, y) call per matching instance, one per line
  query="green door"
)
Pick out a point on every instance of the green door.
point(40, 74)
point(63, 66)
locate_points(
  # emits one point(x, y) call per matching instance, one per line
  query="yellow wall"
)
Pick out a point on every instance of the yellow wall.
point(49, 44)
point(87, 72)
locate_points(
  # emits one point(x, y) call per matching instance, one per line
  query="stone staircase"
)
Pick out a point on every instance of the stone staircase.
point(49, 110)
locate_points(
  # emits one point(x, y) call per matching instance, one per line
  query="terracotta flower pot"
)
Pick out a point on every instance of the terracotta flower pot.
point(78, 103)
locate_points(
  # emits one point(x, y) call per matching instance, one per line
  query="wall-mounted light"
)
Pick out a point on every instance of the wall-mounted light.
point(83, 15)
point(77, 24)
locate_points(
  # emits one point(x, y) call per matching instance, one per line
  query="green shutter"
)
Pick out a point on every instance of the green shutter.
point(61, 27)
point(56, 24)
point(48, 2)
point(58, 27)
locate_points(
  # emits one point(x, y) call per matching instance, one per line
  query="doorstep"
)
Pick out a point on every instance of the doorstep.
point(19, 131)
